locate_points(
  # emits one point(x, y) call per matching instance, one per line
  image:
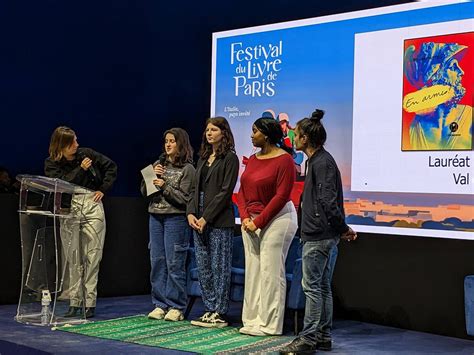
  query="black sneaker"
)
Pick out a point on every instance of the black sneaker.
point(298, 346)
point(324, 345)
point(217, 321)
point(202, 320)
point(210, 320)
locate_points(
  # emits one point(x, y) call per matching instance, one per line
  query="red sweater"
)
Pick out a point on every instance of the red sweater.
point(265, 187)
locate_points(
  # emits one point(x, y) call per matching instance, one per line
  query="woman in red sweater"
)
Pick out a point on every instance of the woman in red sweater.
point(269, 224)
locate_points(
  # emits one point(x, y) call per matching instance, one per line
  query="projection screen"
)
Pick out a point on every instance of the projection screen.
point(396, 84)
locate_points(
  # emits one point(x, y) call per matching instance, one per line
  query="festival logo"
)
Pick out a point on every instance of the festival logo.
point(256, 68)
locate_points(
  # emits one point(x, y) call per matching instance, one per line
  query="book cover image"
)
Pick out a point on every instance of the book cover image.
point(437, 93)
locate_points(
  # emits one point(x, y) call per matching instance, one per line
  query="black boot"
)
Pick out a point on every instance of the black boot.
point(90, 312)
point(324, 345)
point(72, 312)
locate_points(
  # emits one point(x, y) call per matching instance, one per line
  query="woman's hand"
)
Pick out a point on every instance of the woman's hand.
point(98, 196)
point(159, 169)
point(244, 223)
point(202, 224)
point(350, 235)
point(86, 164)
point(193, 222)
point(159, 182)
point(250, 226)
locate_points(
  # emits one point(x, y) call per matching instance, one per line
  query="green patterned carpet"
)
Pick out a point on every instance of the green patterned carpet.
point(178, 335)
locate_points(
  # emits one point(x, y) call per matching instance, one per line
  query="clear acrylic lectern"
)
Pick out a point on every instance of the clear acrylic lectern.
point(52, 258)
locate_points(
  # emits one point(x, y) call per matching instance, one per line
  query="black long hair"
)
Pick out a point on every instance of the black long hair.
point(313, 129)
point(272, 129)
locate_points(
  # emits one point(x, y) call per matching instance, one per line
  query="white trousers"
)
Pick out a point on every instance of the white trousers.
point(265, 281)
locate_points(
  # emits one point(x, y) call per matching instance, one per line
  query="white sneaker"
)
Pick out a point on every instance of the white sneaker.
point(174, 315)
point(157, 313)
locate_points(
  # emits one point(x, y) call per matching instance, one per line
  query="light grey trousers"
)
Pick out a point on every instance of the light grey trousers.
point(83, 242)
point(265, 281)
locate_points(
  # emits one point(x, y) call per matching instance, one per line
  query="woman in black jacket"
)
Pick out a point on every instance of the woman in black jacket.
point(211, 215)
point(90, 169)
point(322, 225)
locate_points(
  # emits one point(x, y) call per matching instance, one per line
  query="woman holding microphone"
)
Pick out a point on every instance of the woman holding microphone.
point(168, 227)
point(90, 169)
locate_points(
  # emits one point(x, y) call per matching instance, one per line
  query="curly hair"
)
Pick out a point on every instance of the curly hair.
point(183, 146)
point(226, 144)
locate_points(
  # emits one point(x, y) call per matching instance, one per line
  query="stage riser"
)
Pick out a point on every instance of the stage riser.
point(408, 282)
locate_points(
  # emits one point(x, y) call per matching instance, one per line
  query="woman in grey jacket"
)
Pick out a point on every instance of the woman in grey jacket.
point(169, 230)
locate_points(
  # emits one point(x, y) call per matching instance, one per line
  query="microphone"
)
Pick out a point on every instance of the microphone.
point(161, 161)
point(81, 155)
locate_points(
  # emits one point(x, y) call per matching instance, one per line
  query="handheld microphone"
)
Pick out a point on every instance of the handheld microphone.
point(81, 155)
point(161, 161)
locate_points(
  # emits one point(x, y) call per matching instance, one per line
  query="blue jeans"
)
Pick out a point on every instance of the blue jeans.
point(319, 259)
point(169, 243)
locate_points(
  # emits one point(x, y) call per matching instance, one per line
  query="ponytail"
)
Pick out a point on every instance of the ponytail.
point(283, 146)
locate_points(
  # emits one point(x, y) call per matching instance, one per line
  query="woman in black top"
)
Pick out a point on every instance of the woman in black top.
point(90, 169)
point(211, 215)
point(322, 226)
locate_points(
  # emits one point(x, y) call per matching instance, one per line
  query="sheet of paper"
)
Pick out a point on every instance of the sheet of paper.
point(148, 176)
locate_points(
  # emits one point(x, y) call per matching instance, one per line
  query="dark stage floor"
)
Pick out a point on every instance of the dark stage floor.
point(349, 337)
